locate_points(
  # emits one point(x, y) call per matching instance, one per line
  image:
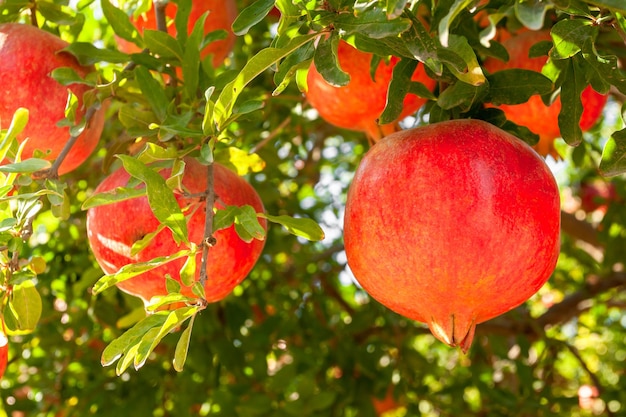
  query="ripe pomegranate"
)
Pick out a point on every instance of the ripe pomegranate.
point(452, 224)
point(27, 57)
point(359, 104)
point(222, 14)
point(113, 228)
point(534, 114)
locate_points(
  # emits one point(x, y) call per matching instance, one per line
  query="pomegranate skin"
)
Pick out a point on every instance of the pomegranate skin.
point(358, 105)
point(27, 57)
point(113, 228)
point(452, 224)
point(534, 114)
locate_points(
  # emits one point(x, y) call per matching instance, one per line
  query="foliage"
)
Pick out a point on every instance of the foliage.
point(299, 336)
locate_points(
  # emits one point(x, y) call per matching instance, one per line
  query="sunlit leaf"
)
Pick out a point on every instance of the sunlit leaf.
point(134, 269)
point(299, 226)
point(162, 202)
point(614, 155)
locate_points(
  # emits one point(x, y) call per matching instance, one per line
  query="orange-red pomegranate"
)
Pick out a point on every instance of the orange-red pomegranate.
point(222, 14)
point(534, 114)
point(359, 104)
point(452, 224)
point(113, 228)
point(27, 57)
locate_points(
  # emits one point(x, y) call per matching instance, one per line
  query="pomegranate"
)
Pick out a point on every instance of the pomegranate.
point(534, 114)
point(452, 224)
point(112, 229)
point(27, 57)
point(359, 104)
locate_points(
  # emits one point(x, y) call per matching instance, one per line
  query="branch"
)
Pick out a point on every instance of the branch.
point(209, 240)
point(572, 306)
point(579, 229)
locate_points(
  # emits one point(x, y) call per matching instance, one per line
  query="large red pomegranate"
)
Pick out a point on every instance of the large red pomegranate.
point(359, 104)
point(222, 14)
point(113, 228)
point(452, 224)
point(27, 57)
point(534, 114)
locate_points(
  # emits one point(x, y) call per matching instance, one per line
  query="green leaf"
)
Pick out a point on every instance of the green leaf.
point(398, 88)
point(153, 91)
point(26, 305)
point(327, 62)
point(113, 196)
point(473, 73)
point(515, 86)
point(298, 226)
point(67, 76)
point(614, 5)
point(153, 337)
point(182, 347)
point(121, 345)
point(532, 13)
point(26, 167)
point(373, 23)
point(445, 24)
point(569, 37)
point(191, 58)
point(247, 224)
point(120, 23)
point(571, 104)
point(131, 270)
point(188, 270)
point(462, 95)
point(613, 160)
point(161, 199)
point(162, 44)
point(251, 15)
point(88, 54)
point(17, 125)
point(256, 65)
point(422, 46)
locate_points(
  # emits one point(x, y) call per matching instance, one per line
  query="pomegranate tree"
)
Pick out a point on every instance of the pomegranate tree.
point(112, 229)
point(452, 224)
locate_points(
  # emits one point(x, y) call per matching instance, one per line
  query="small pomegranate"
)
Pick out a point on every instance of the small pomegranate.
point(452, 224)
point(359, 104)
point(112, 229)
point(534, 114)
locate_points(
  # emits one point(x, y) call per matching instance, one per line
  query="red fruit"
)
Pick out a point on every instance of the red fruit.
point(534, 114)
point(222, 14)
point(113, 228)
point(4, 349)
point(596, 195)
point(359, 104)
point(27, 57)
point(452, 224)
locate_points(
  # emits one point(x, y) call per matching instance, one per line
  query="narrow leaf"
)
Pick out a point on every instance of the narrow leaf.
point(26, 305)
point(256, 65)
point(132, 270)
point(121, 345)
point(251, 15)
point(182, 347)
point(299, 226)
point(161, 199)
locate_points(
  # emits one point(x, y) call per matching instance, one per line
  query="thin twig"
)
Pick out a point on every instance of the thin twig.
point(579, 229)
point(209, 240)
